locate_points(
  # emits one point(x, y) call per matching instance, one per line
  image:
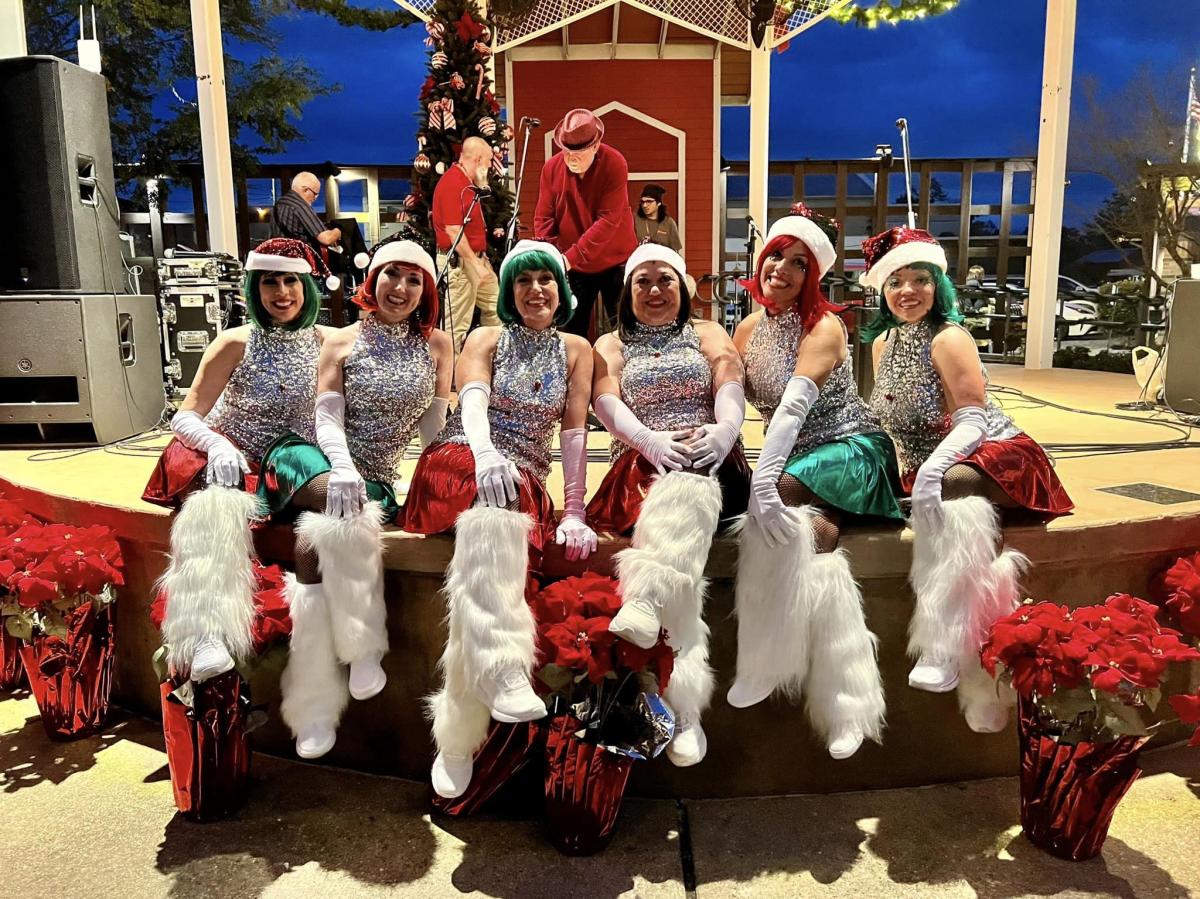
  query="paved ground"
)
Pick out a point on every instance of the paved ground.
point(95, 819)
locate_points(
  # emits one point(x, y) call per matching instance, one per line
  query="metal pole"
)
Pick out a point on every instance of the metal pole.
point(214, 127)
point(902, 124)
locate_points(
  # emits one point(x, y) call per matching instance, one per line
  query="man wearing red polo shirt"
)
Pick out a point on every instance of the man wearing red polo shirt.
point(583, 209)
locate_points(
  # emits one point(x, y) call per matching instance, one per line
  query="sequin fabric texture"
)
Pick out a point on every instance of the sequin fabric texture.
point(666, 381)
point(272, 390)
point(389, 382)
point(529, 396)
point(770, 363)
point(909, 399)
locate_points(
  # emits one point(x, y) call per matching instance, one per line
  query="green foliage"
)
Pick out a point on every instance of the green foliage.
point(891, 12)
point(1079, 357)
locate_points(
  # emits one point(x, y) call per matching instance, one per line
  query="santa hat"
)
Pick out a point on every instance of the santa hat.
point(285, 254)
point(898, 248)
point(521, 247)
point(653, 252)
point(814, 230)
point(401, 250)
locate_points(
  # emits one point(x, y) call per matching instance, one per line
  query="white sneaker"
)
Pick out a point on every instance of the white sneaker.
point(210, 659)
point(745, 693)
point(451, 775)
point(511, 697)
point(366, 677)
point(689, 745)
point(988, 718)
point(933, 674)
point(314, 740)
point(845, 743)
point(638, 622)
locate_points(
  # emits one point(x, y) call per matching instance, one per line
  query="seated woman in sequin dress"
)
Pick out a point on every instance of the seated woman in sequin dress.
point(380, 381)
point(669, 390)
point(255, 383)
point(485, 478)
point(961, 457)
point(800, 620)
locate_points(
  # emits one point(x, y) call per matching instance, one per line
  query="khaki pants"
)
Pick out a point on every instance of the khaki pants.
point(468, 291)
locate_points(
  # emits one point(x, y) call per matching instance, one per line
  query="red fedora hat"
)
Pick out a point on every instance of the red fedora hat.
point(578, 130)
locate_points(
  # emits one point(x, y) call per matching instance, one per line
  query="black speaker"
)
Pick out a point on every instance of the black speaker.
point(1181, 372)
point(61, 219)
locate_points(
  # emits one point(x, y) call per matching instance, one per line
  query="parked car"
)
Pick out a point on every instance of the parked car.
point(1072, 310)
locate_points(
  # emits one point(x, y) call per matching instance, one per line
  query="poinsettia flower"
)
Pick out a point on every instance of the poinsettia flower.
point(1115, 667)
point(33, 591)
point(660, 657)
point(1179, 588)
point(1188, 710)
point(581, 644)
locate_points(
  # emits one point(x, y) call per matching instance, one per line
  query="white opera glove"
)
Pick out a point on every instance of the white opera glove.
point(663, 449)
point(712, 443)
point(433, 420)
point(573, 530)
point(968, 431)
point(766, 506)
point(496, 478)
point(347, 491)
point(226, 464)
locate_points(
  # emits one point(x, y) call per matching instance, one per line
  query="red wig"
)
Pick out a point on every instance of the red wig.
point(812, 302)
point(427, 310)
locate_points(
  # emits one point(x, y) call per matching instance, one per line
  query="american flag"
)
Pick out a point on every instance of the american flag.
point(1191, 137)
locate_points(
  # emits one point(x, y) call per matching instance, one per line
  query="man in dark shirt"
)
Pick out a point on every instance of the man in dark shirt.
point(294, 216)
point(583, 209)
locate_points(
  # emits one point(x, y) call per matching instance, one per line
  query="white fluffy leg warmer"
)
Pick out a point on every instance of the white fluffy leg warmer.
point(983, 701)
point(491, 626)
point(313, 683)
point(772, 612)
point(349, 553)
point(209, 581)
point(844, 690)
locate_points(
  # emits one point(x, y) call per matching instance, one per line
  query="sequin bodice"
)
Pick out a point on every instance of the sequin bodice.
point(910, 401)
point(529, 396)
point(272, 390)
point(770, 364)
point(666, 381)
point(389, 381)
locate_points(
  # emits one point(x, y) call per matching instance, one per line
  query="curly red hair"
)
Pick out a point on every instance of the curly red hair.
point(812, 301)
point(428, 309)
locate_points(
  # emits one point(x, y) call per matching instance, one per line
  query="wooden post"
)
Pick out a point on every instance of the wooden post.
point(214, 126)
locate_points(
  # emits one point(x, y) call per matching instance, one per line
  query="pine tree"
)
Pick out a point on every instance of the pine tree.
point(457, 103)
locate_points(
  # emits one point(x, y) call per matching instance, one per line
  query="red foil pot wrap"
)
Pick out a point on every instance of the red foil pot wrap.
point(584, 788)
point(208, 749)
point(179, 471)
point(71, 678)
point(508, 749)
point(1069, 792)
point(1021, 469)
point(12, 673)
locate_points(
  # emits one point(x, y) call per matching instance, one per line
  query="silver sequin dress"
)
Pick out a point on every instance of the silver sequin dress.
point(911, 402)
point(271, 392)
point(389, 380)
point(529, 397)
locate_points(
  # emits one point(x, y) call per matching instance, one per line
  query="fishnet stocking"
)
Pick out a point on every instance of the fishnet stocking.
point(312, 498)
point(825, 523)
point(966, 480)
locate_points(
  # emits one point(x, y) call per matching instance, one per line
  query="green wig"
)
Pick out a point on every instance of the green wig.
point(532, 261)
point(945, 306)
point(262, 319)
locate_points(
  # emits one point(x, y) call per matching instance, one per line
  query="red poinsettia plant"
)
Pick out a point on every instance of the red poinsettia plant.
point(1091, 672)
point(1178, 591)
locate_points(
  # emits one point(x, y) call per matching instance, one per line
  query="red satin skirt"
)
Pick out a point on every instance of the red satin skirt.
point(615, 507)
point(1022, 470)
point(180, 470)
point(443, 487)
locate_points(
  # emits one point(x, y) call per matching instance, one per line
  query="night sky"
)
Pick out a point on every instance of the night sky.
point(968, 82)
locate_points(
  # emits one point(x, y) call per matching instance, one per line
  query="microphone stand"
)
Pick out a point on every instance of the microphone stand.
point(510, 236)
point(902, 126)
point(442, 283)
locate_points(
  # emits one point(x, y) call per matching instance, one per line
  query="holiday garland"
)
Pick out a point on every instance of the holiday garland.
point(888, 12)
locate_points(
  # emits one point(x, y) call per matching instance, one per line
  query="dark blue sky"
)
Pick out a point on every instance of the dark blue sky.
point(968, 83)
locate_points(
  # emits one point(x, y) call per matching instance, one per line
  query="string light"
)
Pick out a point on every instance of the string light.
point(891, 12)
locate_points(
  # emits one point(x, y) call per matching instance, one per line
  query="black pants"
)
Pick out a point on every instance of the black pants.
point(585, 286)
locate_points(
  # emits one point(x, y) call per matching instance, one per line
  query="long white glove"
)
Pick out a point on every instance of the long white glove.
point(712, 443)
point(496, 478)
point(969, 430)
point(766, 506)
point(573, 530)
point(662, 449)
point(347, 491)
point(226, 464)
point(433, 420)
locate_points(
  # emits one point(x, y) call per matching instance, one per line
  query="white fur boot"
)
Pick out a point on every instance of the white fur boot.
point(313, 683)
point(985, 702)
point(773, 622)
point(350, 557)
point(844, 691)
point(209, 583)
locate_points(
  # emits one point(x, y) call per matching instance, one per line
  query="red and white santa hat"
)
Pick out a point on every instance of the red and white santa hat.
point(815, 231)
point(898, 248)
point(285, 254)
point(404, 251)
point(653, 252)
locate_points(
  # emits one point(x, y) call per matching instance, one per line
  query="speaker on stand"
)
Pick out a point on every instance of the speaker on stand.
point(1181, 374)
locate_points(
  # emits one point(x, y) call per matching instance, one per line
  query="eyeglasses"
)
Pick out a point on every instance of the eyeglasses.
point(648, 200)
point(309, 190)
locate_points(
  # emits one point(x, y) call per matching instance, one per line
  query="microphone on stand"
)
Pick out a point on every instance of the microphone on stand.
point(481, 191)
point(530, 122)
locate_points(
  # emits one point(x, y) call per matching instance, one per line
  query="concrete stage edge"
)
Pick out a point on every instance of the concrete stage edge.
point(765, 750)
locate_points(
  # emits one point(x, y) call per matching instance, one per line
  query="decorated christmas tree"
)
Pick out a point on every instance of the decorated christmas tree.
point(457, 103)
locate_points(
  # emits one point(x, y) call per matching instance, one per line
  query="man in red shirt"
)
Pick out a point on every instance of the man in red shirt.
point(472, 281)
point(583, 209)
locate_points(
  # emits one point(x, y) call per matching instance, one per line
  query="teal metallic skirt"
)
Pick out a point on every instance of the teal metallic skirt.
point(856, 474)
point(291, 462)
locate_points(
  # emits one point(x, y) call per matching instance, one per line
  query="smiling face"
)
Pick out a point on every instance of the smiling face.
point(909, 293)
point(654, 292)
point(282, 296)
point(535, 294)
point(398, 289)
point(782, 277)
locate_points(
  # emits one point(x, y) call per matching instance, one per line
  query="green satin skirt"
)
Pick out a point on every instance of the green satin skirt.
point(291, 462)
point(856, 474)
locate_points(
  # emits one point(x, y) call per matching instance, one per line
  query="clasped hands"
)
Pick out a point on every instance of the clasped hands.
point(700, 449)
